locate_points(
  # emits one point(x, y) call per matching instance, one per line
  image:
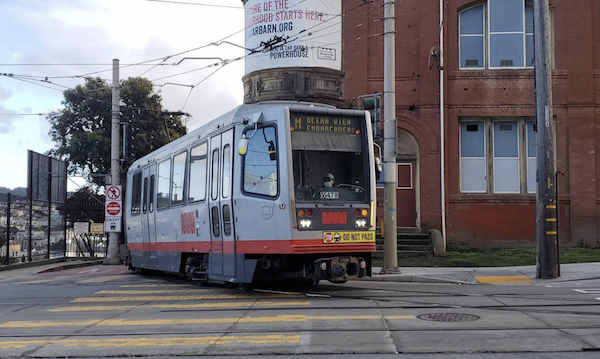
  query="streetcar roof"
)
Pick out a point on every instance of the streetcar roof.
point(227, 119)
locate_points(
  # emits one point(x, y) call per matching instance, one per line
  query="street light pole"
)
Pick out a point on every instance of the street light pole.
point(390, 240)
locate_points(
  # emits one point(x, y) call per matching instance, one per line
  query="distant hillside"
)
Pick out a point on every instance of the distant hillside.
point(19, 191)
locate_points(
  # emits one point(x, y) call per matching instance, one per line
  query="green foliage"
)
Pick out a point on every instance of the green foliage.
point(82, 129)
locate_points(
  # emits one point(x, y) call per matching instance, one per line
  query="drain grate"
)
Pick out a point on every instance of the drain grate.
point(448, 317)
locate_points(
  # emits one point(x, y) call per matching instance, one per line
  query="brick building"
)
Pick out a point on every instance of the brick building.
point(489, 113)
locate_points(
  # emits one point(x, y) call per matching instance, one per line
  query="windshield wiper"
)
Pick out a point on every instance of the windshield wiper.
point(314, 178)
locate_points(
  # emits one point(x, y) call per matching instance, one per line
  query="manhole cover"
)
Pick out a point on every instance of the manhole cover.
point(448, 317)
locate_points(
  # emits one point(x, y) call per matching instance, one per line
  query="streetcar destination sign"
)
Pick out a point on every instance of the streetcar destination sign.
point(306, 122)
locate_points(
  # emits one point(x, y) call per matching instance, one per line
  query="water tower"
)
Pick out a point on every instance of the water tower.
point(294, 51)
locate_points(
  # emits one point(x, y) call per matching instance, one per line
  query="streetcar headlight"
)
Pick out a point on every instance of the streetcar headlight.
point(305, 223)
point(361, 222)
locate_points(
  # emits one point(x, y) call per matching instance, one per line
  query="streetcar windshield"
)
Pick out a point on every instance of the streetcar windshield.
point(329, 164)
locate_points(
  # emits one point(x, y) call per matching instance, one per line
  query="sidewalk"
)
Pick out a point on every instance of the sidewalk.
point(48, 265)
point(487, 275)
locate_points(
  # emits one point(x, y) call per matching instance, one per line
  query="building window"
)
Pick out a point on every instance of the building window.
point(509, 144)
point(496, 34)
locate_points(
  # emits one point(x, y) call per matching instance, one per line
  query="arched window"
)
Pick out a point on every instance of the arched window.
point(496, 34)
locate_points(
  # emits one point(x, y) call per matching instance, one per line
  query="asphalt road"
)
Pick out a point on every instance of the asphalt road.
point(107, 311)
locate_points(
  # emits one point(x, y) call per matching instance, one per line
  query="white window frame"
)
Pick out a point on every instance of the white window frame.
point(485, 157)
point(489, 154)
point(486, 39)
point(494, 157)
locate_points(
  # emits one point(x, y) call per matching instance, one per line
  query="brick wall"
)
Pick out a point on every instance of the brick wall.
point(486, 220)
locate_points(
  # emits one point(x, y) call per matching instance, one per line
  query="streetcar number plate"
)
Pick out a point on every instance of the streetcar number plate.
point(348, 237)
point(330, 195)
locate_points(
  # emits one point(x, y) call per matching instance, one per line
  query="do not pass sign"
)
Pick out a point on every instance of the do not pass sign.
point(113, 208)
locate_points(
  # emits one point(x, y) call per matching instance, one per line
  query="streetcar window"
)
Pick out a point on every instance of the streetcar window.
point(164, 184)
point(178, 178)
point(214, 192)
point(226, 171)
point(197, 181)
point(151, 205)
point(145, 195)
point(260, 163)
point(136, 194)
point(226, 220)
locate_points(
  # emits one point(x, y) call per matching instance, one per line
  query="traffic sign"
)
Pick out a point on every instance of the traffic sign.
point(112, 224)
point(113, 208)
point(113, 193)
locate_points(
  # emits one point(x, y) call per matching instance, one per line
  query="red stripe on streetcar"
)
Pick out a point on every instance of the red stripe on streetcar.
point(296, 246)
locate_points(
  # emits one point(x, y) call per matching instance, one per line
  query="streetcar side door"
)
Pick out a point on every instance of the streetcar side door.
point(151, 216)
point(148, 220)
point(226, 204)
point(216, 237)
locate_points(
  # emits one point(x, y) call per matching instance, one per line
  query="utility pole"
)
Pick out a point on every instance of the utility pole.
point(113, 237)
point(390, 240)
point(547, 226)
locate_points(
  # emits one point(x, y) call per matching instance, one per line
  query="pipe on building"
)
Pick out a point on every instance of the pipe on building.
point(442, 133)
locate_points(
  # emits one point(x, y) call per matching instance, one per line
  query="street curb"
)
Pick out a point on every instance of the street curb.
point(32, 264)
point(416, 279)
point(74, 265)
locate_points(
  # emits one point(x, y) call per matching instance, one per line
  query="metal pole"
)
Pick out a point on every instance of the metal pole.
point(547, 260)
point(30, 204)
point(113, 238)
point(49, 207)
point(390, 240)
point(7, 228)
point(442, 130)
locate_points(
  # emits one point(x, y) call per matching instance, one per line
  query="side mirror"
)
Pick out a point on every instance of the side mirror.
point(378, 168)
point(243, 146)
point(272, 151)
point(378, 164)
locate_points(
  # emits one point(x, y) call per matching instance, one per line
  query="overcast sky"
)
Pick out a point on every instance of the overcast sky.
point(73, 32)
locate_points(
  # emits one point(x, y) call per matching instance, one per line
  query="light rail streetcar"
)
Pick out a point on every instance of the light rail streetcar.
point(266, 192)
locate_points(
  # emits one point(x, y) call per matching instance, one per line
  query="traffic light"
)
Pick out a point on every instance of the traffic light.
point(373, 105)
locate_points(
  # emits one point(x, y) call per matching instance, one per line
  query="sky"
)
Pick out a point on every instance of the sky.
point(69, 38)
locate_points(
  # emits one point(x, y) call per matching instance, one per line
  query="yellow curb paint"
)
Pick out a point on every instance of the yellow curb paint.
point(123, 322)
point(504, 279)
point(152, 342)
point(181, 306)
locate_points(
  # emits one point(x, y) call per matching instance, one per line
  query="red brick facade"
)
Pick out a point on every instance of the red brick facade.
point(485, 219)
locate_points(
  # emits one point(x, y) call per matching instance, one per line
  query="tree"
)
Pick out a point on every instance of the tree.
point(82, 129)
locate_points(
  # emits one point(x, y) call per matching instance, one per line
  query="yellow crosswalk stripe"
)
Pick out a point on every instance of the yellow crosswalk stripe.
point(103, 279)
point(146, 322)
point(153, 342)
point(153, 285)
point(156, 298)
point(181, 306)
point(153, 291)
